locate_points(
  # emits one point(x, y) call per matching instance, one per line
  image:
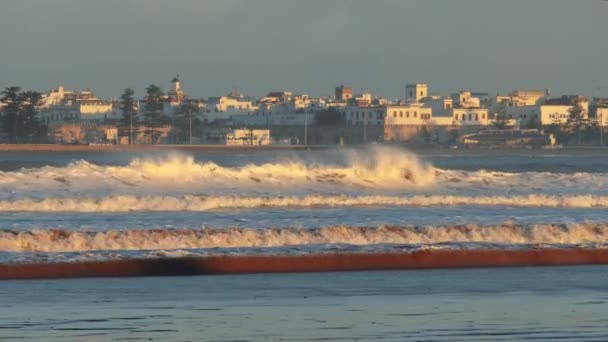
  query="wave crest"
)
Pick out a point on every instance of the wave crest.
point(376, 167)
point(78, 241)
point(127, 203)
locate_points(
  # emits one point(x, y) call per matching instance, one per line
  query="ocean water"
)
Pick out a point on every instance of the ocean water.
point(62, 207)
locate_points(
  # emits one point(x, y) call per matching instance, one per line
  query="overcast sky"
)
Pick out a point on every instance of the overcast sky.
point(305, 46)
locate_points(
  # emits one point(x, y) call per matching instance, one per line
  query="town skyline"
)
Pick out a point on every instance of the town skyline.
point(167, 85)
point(304, 47)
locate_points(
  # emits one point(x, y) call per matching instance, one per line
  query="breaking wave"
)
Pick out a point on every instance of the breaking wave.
point(379, 167)
point(189, 203)
point(163, 239)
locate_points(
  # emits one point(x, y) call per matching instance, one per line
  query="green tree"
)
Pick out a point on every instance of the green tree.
point(128, 122)
point(20, 114)
point(501, 120)
point(10, 111)
point(186, 122)
point(577, 120)
point(153, 113)
point(28, 126)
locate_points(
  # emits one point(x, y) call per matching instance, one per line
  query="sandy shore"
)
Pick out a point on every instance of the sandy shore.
point(211, 265)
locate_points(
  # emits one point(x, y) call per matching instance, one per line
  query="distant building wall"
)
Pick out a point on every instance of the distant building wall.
point(83, 134)
point(248, 137)
point(470, 116)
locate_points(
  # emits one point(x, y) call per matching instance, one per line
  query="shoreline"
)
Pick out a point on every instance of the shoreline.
point(148, 147)
point(218, 265)
point(248, 148)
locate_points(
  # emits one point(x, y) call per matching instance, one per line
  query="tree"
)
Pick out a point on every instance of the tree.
point(501, 120)
point(20, 114)
point(153, 113)
point(577, 120)
point(186, 122)
point(128, 122)
point(28, 126)
point(329, 116)
point(10, 98)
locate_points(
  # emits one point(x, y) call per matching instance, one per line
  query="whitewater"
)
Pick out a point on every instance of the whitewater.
point(366, 199)
point(373, 176)
point(56, 240)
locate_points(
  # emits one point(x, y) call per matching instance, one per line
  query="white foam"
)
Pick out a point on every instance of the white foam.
point(373, 168)
point(79, 241)
point(128, 203)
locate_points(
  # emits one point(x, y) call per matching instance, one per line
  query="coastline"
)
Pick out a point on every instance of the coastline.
point(339, 262)
point(147, 147)
point(173, 147)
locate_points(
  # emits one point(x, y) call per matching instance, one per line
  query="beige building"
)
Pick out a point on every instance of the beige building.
point(83, 133)
point(246, 137)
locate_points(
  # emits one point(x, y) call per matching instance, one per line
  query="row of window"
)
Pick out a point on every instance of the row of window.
point(470, 117)
point(558, 116)
point(407, 114)
point(379, 116)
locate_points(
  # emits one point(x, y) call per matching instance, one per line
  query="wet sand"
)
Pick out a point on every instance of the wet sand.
point(213, 265)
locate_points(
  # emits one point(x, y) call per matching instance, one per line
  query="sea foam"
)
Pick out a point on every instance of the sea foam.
point(167, 239)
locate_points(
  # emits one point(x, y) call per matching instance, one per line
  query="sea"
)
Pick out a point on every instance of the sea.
point(88, 206)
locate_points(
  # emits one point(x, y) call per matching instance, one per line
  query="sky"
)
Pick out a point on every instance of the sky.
point(307, 47)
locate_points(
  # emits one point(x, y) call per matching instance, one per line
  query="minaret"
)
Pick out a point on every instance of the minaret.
point(177, 89)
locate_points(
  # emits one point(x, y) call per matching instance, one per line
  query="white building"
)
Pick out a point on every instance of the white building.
point(467, 110)
point(470, 116)
point(602, 116)
point(404, 115)
point(64, 106)
point(359, 116)
point(229, 104)
point(60, 113)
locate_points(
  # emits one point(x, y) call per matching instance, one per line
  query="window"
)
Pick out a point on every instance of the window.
point(394, 114)
point(400, 114)
point(407, 114)
point(483, 116)
point(470, 117)
point(476, 117)
point(415, 114)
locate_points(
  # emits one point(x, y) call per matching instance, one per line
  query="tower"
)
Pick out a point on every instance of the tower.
point(416, 92)
point(176, 95)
